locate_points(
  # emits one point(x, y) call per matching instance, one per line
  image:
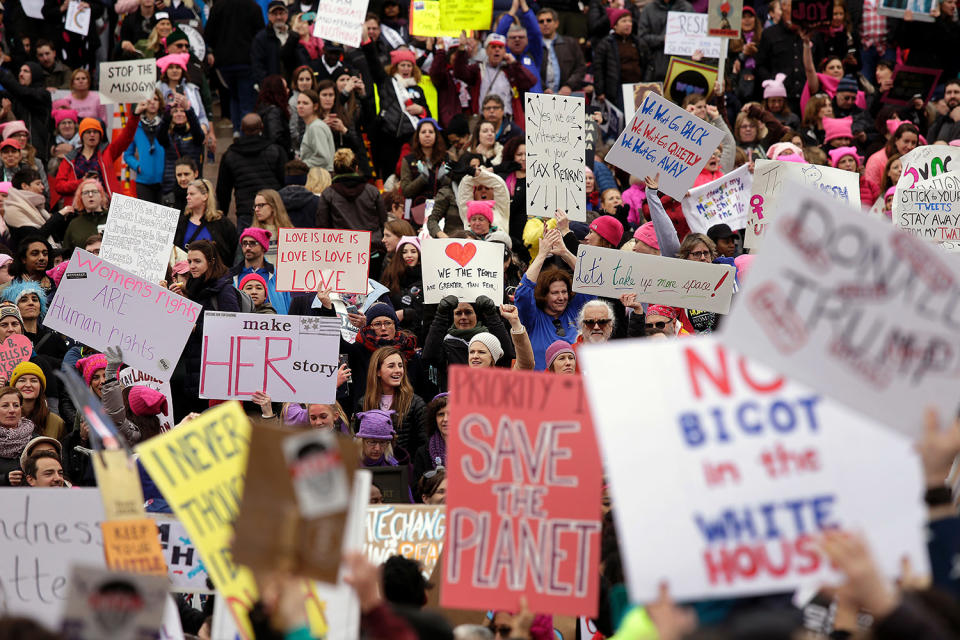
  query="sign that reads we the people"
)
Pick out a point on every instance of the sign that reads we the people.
point(749, 470)
point(466, 269)
point(555, 156)
point(523, 508)
point(663, 138)
point(335, 259)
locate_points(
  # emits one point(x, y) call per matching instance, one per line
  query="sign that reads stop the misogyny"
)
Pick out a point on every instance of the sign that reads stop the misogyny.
point(308, 259)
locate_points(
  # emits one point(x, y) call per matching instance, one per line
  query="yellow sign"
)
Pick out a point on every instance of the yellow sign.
point(425, 20)
point(466, 15)
point(199, 468)
point(119, 484)
point(134, 546)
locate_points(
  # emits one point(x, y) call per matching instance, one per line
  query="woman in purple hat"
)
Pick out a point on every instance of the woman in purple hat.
point(376, 438)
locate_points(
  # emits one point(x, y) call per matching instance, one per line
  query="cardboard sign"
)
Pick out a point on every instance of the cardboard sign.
point(686, 77)
point(663, 138)
point(722, 201)
point(309, 259)
point(199, 468)
point(133, 545)
point(749, 469)
point(127, 81)
point(896, 8)
point(291, 358)
point(555, 156)
point(139, 236)
point(184, 565)
point(42, 532)
point(414, 531)
point(687, 34)
point(341, 21)
point(724, 18)
point(463, 268)
point(15, 349)
point(931, 214)
point(130, 377)
point(855, 308)
point(466, 15)
point(319, 477)
point(113, 604)
point(119, 482)
point(102, 305)
point(523, 498)
point(425, 20)
point(812, 14)
point(687, 284)
point(769, 178)
point(909, 82)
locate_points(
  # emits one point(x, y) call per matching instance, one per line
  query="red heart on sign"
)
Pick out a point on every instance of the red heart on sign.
point(461, 253)
point(14, 350)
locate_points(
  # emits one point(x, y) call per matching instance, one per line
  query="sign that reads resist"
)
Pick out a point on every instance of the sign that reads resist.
point(337, 259)
point(663, 138)
point(463, 268)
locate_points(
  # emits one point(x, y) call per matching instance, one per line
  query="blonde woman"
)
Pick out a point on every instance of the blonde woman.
point(201, 220)
point(270, 214)
point(318, 179)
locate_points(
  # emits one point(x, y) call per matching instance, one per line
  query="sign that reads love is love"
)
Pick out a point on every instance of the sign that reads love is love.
point(341, 21)
point(102, 306)
point(677, 283)
point(463, 268)
point(139, 236)
point(414, 531)
point(750, 469)
point(126, 81)
point(14, 350)
point(290, 358)
point(555, 155)
point(825, 302)
point(687, 34)
point(523, 509)
point(337, 259)
point(721, 201)
point(663, 138)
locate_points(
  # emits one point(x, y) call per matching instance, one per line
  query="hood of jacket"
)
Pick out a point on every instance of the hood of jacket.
point(37, 74)
point(24, 209)
point(250, 145)
point(349, 185)
point(295, 196)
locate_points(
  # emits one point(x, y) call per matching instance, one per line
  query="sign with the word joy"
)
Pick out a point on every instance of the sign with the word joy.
point(463, 268)
point(555, 154)
point(336, 259)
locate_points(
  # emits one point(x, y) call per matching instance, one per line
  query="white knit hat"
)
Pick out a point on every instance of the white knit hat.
point(490, 342)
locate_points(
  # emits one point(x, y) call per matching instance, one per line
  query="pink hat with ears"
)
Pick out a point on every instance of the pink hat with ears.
point(62, 103)
point(59, 115)
point(892, 125)
point(179, 59)
point(480, 207)
point(56, 274)
point(837, 128)
point(840, 152)
point(90, 365)
point(743, 263)
point(774, 88)
point(779, 147)
point(14, 127)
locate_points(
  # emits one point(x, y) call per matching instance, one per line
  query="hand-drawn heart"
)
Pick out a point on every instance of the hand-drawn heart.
point(14, 350)
point(461, 253)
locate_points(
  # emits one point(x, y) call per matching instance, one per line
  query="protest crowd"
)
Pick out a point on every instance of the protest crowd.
point(453, 199)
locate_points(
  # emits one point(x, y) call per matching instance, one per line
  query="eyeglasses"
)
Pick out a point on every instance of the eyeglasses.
point(545, 20)
point(593, 323)
point(699, 254)
point(375, 444)
point(559, 327)
point(503, 630)
point(260, 206)
point(655, 325)
point(90, 192)
point(249, 243)
point(384, 324)
point(430, 474)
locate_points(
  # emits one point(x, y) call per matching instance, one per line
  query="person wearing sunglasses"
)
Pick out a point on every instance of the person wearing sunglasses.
point(596, 322)
point(661, 322)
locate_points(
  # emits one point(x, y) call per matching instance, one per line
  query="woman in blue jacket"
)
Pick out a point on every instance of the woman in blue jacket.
point(146, 155)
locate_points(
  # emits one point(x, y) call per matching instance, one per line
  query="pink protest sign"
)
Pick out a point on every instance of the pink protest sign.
point(312, 258)
point(523, 509)
point(14, 350)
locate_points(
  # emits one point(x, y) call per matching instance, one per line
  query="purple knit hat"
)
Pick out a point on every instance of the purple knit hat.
point(376, 424)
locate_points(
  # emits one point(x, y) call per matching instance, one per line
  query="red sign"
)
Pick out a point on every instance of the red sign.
point(523, 507)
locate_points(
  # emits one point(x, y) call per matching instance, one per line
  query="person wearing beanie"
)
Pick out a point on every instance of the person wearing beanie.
point(623, 57)
point(174, 80)
point(67, 128)
point(480, 218)
point(144, 408)
point(111, 392)
point(28, 378)
point(10, 320)
point(775, 101)
point(255, 286)
point(560, 358)
point(49, 346)
point(605, 231)
point(254, 244)
point(93, 368)
point(134, 31)
point(837, 132)
point(274, 49)
point(403, 277)
point(646, 240)
point(847, 159)
point(484, 350)
point(388, 387)
point(376, 438)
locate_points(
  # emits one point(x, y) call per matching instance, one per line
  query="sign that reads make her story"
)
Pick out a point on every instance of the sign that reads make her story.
point(103, 306)
point(655, 279)
point(555, 153)
point(745, 470)
point(139, 236)
point(467, 269)
point(290, 358)
point(523, 509)
point(663, 138)
point(856, 308)
point(338, 259)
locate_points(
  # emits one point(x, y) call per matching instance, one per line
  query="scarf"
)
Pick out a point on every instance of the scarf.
point(384, 461)
point(465, 334)
point(437, 447)
point(14, 439)
point(400, 86)
point(404, 341)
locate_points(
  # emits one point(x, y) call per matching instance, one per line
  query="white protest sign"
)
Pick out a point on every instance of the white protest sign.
point(663, 138)
point(931, 214)
point(335, 258)
point(855, 308)
point(750, 468)
point(687, 284)
point(466, 269)
point(78, 18)
point(341, 21)
point(130, 377)
point(414, 531)
point(290, 358)
point(139, 236)
point(769, 178)
point(184, 565)
point(687, 34)
point(126, 81)
point(722, 201)
point(103, 306)
point(33, 8)
point(555, 156)
point(43, 531)
point(113, 604)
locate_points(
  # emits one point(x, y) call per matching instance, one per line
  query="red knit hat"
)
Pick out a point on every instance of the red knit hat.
point(615, 14)
point(145, 401)
point(608, 228)
point(399, 55)
point(253, 277)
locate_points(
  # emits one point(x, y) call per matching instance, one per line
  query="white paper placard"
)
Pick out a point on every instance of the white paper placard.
point(78, 18)
point(291, 358)
point(555, 156)
point(33, 8)
point(466, 269)
point(102, 306)
point(855, 308)
point(931, 214)
point(341, 21)
point(184, 564)
point(663, 138)
point(687, 33)
point(745, 469)
point(334, 258)
point(721, 201)
point(126, 81)
point(687, 284)
point(139, 236)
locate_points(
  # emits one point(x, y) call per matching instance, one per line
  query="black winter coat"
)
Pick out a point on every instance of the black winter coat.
point(301, 205)
point(32, 105)
point(222, 231)
point(250, 164)
point(230, 30)
point(652, 29)
point(178, 142)
point(204, 294)
point(268, 57)
point(606, 67)
point(350, 203)
point(276, 126)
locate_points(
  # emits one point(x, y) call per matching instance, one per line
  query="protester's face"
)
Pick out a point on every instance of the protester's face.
point(658, 324)
point(67, 128)
point(517, 41)
point(374, 449)
point(37, 257)
point(391, 371)
point(373, 29)
point(391, 11)
point(548, 26)
point(775, 104)
point(838, 16)
point(91, 198)
point(277, 15)
point(591, 183)
point(28, 385)
point(948, 7)
point(845, 99)
point(410, 255)
point(46, 57)
point(25, 77)
point(428, 136)
point(501, 625)
point(747, 131)
point(458, 141)
point(482, 192)
point(10, 326)
point(894, 171)
point(185, 175)
point(91, 138)
point(597, 324)
point(748, 23)
point(593, 239)
point(611, 200)
point(951, 94)
point(344, 83)
point(440, 495)
point(9, 410)
point(390, 240)
point(487, 135)
point(327, 99)
point(305, 106)
point(479, 356)
point(520, 157)
point(304, 80)
point(256, 292)
point(29, 305)
point(10, 156)
point(49, 474)
point(495, 53)
point(262, 209)
point(197, 263)
point(726, 246)
point(443, 421)
point(321, 416)
point(180, 46)
point(557, 297)
point(826, 111)
point(376, 497)
point(700, 253)
point(252, 250)
point(907, 142)
point(405, 68)
point(643, 247)
point(164, 27)
point(178, 115)
point(36, 186)
point(624, 26)
point(565, 363)
point(96, 381)
point(196, 199)
point(479, 224)
point(384, 328)
point(464, 317)
point(714, 162)
point(847, 163)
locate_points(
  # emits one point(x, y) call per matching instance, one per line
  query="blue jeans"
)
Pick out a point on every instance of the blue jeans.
point(239, 79)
